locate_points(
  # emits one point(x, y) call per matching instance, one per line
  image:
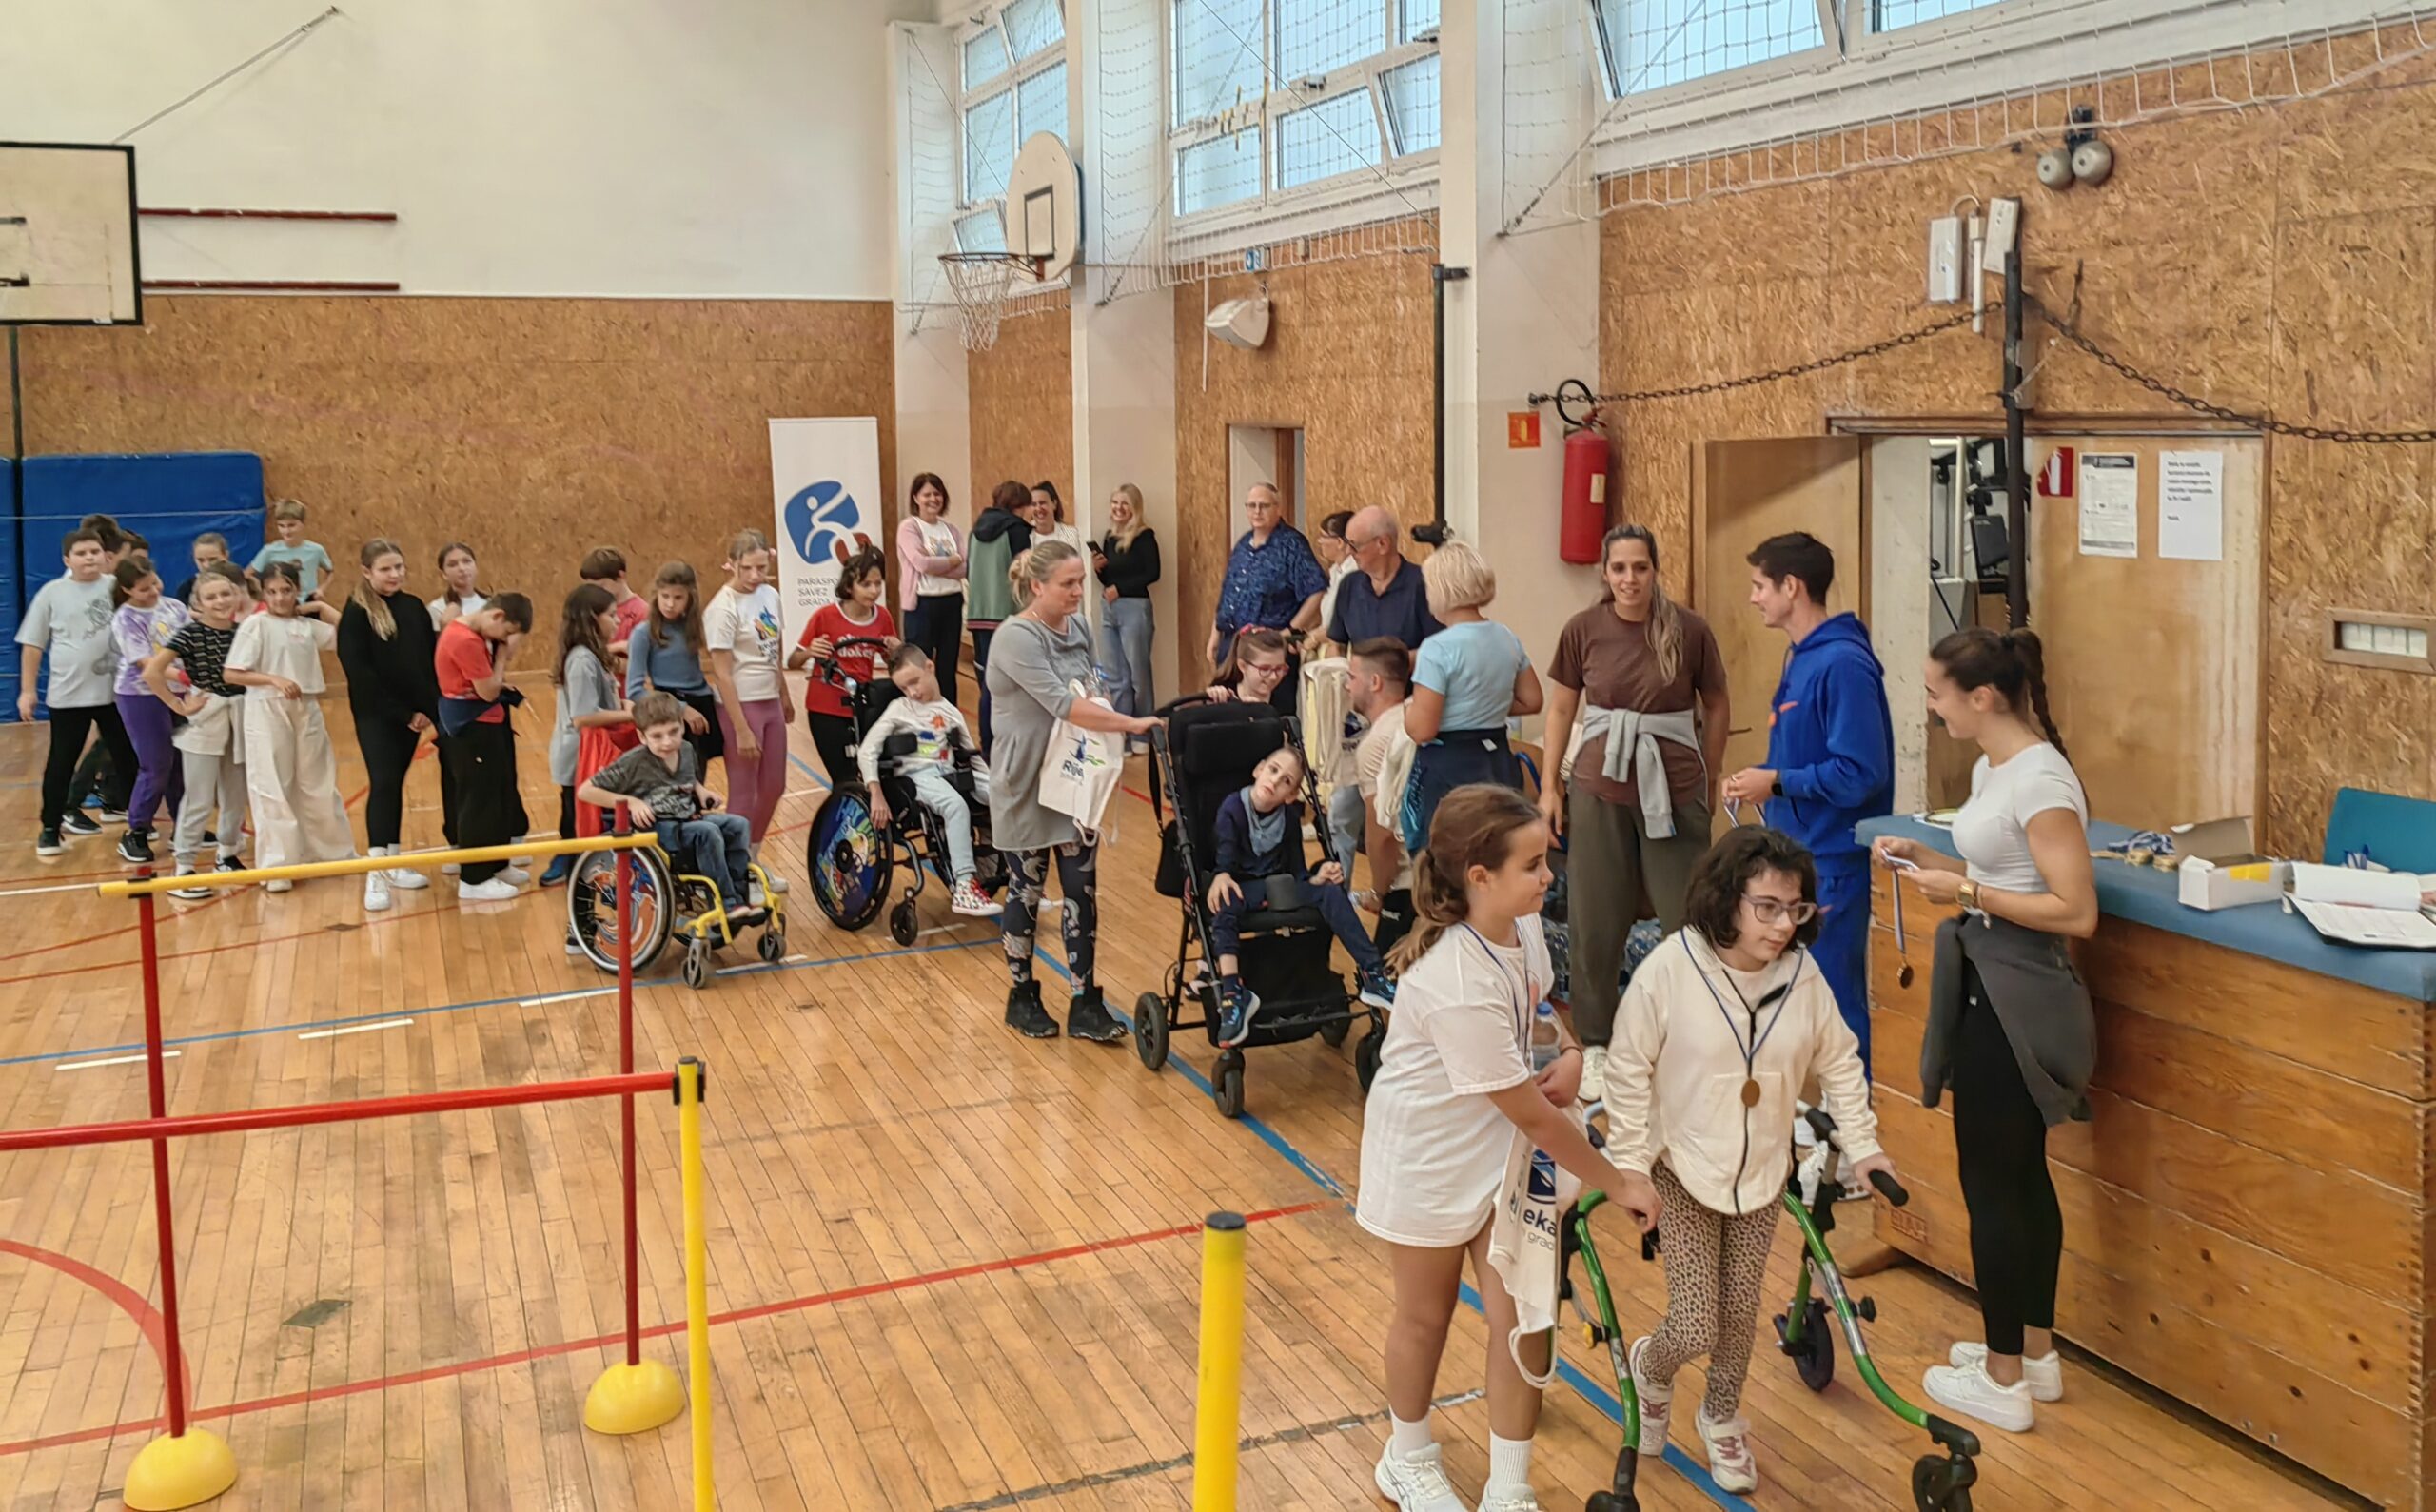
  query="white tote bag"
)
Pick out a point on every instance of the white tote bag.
point(1081, 768)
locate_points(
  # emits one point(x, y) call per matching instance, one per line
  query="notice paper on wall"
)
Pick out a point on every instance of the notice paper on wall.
point(2190, 505)
point(2109, 504)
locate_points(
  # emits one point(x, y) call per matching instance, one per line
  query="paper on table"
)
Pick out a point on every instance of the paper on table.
point(2384, 928)
point(2356, 886)
point(2109, 504)
point(2190, 505)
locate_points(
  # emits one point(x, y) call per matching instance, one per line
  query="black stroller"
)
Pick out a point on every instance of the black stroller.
point(850, 860)
point(1204, 751)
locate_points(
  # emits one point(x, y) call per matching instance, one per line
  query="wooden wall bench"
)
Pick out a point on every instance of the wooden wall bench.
point(2248, 1222)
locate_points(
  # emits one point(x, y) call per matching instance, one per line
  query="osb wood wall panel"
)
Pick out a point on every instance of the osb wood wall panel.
point(2281, 258)
point(1349, 360)
point(532, 430)
point(1022, 404)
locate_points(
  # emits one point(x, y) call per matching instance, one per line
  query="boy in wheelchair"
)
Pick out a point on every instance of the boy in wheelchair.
point(1259, 864)
point(931, 745)
point(659, 783)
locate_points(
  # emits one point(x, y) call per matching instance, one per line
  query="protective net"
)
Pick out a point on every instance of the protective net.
point(982, 283)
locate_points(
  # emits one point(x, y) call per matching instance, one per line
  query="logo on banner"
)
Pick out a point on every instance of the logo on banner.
point(821, 521)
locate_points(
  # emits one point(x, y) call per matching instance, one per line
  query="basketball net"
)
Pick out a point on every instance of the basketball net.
point(982, 283)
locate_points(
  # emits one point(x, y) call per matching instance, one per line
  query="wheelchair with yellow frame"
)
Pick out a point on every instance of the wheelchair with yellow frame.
point(664, 905)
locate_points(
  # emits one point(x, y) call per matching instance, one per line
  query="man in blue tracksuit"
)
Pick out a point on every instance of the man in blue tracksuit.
point(1831, 754)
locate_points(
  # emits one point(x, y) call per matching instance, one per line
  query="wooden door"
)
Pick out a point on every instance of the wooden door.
point(1744, 492)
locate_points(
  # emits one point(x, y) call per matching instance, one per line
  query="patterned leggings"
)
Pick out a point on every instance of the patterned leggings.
point(1715, 1274)
point(1079, 876)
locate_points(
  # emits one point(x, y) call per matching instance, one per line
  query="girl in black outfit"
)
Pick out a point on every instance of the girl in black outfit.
point(385, 644)
point(1127, 559)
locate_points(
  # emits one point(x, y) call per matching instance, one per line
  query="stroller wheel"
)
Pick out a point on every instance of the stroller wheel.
point(1366, 1058)
point(903, 926)
point(1814, 1359)
point(1941, 1484)
point(1150, 1030)
point(1334, 1033)
point(1227, 1083)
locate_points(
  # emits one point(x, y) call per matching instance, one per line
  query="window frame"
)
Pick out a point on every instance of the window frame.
point(1288, 97)
point(1010, 82)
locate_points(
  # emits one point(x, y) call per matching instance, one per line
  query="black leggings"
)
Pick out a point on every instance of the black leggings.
point(2000, 1143)
point(832, 735)
point(68, 728)
point(936, 623)
point(388, 755)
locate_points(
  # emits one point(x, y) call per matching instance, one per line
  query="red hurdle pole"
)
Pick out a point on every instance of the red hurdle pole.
point(626, 1111)
point(173, 1364)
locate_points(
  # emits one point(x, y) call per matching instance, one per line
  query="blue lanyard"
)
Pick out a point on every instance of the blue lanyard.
point(1524, 1003)
point(1751, 1050)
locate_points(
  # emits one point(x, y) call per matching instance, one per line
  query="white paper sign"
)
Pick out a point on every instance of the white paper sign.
point(2109, 504)
point(2190, 505)
point(824, 483)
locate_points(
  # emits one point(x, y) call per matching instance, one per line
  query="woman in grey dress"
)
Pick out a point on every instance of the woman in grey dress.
point(1036, 661)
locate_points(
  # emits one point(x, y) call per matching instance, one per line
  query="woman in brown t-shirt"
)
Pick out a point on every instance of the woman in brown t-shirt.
point(1639, 672)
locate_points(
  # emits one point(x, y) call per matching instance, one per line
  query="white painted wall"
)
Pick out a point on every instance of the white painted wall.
point(531, 146)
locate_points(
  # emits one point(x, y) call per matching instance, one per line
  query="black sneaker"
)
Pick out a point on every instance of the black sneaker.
point(232, 863)
point(111, 815)
point(1375, 987)
point(136, 848)
point(190, 894)
point(76, 825)
point(1023, 1013)
point(1087, 1017)
point(1237, 1004)
point(48, 843)
point(209, 838)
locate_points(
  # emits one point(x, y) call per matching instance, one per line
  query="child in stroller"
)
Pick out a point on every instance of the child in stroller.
point(936, 730)
point(1259, 863)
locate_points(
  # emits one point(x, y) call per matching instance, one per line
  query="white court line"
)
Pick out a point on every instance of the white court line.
point(566, 997)
point(759, 966)
point(112, 1060)
point(63, 887)
point(355, 1029)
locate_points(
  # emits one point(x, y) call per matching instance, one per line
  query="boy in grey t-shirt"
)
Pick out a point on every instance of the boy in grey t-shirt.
point(660, 785)
point(69, 621)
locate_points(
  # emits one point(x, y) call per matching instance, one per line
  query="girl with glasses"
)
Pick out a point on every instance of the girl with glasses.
point(1718, 1032)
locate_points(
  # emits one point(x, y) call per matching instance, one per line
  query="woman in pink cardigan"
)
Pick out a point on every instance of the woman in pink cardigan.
point(929, 579)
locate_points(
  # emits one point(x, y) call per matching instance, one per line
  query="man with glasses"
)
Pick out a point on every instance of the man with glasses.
point(1384, 596)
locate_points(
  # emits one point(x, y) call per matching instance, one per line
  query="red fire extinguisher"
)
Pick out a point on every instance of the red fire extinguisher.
point(1585, 491)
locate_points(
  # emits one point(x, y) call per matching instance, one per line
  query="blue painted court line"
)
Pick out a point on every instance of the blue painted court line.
point(1590, 1391)
point(487, 1002)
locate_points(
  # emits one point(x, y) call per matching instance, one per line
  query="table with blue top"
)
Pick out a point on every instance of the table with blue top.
point(2248, 1222)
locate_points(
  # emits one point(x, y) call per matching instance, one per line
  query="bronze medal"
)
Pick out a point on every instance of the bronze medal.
point(1751, 1093)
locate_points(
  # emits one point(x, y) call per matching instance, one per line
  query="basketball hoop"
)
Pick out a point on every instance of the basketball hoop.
point(983, 281)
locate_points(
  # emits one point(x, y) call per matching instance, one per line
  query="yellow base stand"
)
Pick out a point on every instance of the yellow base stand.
point(633, 1399)
point(169, 1473)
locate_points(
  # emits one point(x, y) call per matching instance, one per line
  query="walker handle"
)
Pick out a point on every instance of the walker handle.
point(1888, 1188)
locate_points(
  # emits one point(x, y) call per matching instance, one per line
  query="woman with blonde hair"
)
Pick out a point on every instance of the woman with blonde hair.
point(1467, 681)
point(385, 648)
point(1127, 559)
point(1639, 714)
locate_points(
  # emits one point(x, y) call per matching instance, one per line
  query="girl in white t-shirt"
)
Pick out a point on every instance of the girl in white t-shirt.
point(291, 774)
point(1454, 1084)
point(1720, 1030)
point(2011, 1028)
point(459, 596)
point(741, 628)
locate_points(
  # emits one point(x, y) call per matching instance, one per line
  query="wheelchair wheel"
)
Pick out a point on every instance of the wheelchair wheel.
point(1150, 1030)
point(849, 858)
point(904, 925)
point(1814, 1359)
point(1333, 1035)
point(1227, 1083)
point(697, 962)
point(592, 906)
point(773, 947)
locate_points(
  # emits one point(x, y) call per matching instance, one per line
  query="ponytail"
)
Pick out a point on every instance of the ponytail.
point(2013, 661)
point(1475, 825)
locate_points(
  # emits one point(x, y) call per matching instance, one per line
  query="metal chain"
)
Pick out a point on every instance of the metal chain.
point(2158, 387)
point(1819, 365)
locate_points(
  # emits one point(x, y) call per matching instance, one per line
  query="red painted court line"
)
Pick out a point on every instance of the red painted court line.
point(767, 1309)
point(125, 1298)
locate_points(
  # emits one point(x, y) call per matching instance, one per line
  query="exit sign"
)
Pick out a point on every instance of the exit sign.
point(1522, 431)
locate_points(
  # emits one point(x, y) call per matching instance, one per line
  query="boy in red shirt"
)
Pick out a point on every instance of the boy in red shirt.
point(857, 612)
point(476, 740)
point(606, 566)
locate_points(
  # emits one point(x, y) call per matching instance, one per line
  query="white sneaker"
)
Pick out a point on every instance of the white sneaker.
point(405, 877)
point(498, 890)
point(2043, 1374)
point(574, 947)
point(1594, 1074)
point(279, 884)
point(974, 903)
point(1522, 1499)
point(515, 876)
point(1416, 1483)
point(1655, 1401)
point(448, 869)
point(778, 885)
point(753, 896)
point(376, 891)
point(1969, 1391)
point(1729, 1446)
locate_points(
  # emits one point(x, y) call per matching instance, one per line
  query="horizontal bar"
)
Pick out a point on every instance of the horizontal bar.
point(243, 1121)
point(274, 285)
point(357, 866)
point(200, 213)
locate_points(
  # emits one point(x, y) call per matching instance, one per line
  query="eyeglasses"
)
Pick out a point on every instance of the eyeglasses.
point(1267, 669)
point(1775, 910)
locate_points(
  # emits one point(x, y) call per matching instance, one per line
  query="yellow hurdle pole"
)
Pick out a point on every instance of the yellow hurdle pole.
point(1219, 1402)
point(690, 1073)
point(412, 860)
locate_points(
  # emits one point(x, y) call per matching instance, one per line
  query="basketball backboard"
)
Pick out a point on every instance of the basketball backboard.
point(68, 253)
point(1045, 207)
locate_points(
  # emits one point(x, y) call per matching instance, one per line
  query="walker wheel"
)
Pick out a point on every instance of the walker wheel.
point(1609, 1502)
point(1942, 1483)
point(772, 948)
point(1366, 1058)
point(1227, 1083)
point(1150, 1030)
point(698, 963)
point(1814, 1359)
point(1334, 1031)
point(904, 927)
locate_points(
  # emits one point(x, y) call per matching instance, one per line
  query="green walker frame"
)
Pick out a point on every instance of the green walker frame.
point(1940, 1481)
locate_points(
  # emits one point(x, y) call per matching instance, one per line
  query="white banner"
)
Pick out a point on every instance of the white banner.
point(824, 482)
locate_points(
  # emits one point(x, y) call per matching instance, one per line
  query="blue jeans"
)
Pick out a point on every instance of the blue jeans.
point(718, 845)
point(1226, 924)
point(1842, 947)
point(1347, 829)
point(939, 795)
point(1125, 654)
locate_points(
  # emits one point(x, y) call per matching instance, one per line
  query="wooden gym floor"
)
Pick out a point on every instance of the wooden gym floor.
point(952, 1270)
